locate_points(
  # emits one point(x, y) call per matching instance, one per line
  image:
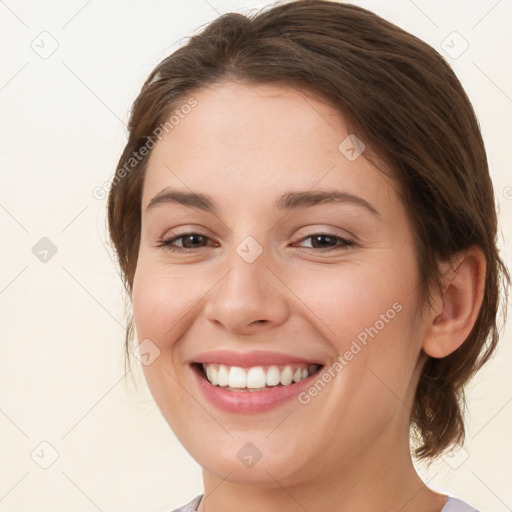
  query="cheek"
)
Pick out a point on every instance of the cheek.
point(350, 298)
point(164, 302)
point(366, 313)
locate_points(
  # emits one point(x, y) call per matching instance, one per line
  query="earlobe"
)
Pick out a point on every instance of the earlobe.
point(455, 313)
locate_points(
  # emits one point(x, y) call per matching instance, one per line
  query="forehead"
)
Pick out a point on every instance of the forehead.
point(256, 141)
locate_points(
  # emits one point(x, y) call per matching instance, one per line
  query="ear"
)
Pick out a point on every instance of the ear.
point(455, 312)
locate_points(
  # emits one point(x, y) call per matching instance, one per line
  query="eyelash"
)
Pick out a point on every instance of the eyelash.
point(166, 243)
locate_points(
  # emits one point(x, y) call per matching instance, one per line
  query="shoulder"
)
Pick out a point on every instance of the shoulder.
point(456, 505)
point(190, 507)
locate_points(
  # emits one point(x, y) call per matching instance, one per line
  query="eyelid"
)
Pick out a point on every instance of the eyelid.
point(342, 243)
point(166, 240)
point(336, 232)
point(346, 241)
point(183, 230)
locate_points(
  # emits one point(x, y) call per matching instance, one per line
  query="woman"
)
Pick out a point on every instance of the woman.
point(305, 224)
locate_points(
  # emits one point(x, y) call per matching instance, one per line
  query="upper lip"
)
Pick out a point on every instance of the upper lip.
point(253, 358)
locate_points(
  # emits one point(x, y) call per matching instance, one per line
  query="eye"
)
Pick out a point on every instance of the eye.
point(192, 241)
point(189, 242)
point(327, 242)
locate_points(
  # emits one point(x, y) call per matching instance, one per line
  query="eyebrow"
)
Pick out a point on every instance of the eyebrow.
point(286, 202)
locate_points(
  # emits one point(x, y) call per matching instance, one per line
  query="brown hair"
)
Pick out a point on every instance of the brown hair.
point(404, 101)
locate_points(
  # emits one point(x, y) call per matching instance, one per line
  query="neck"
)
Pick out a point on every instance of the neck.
point(378, 477)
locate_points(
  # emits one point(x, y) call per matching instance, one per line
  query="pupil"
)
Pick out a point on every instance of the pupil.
point(324, 237)
point(191, 238)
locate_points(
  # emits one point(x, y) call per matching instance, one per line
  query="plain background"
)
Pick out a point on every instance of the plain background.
point(70, 71)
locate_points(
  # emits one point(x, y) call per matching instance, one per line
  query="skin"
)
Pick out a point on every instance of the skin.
point(348, 448)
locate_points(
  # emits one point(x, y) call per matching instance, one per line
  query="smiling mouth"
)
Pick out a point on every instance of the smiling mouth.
point(255, 378)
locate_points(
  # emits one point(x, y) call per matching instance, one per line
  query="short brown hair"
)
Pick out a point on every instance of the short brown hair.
point(404, 101)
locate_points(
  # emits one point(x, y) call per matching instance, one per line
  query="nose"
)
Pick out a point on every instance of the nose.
point(249, 298)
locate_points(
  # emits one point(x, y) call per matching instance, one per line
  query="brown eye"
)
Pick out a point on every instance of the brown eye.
point(192, 241)
point(327, 241)
point(189, 242)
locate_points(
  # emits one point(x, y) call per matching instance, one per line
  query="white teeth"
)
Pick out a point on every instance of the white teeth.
point(237, 377)
point(214, 375)
point(273, 376)
point(256, 377)
point(223, 376)
point(286, 376)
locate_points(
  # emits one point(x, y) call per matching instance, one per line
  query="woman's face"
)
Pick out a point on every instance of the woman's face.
point(301, 255)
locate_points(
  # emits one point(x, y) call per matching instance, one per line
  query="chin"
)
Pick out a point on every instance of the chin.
point(241, 461)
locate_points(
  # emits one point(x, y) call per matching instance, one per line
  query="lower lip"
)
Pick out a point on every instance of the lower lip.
point(251, 401)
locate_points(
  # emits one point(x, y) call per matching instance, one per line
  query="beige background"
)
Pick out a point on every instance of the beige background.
point(62, 119)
